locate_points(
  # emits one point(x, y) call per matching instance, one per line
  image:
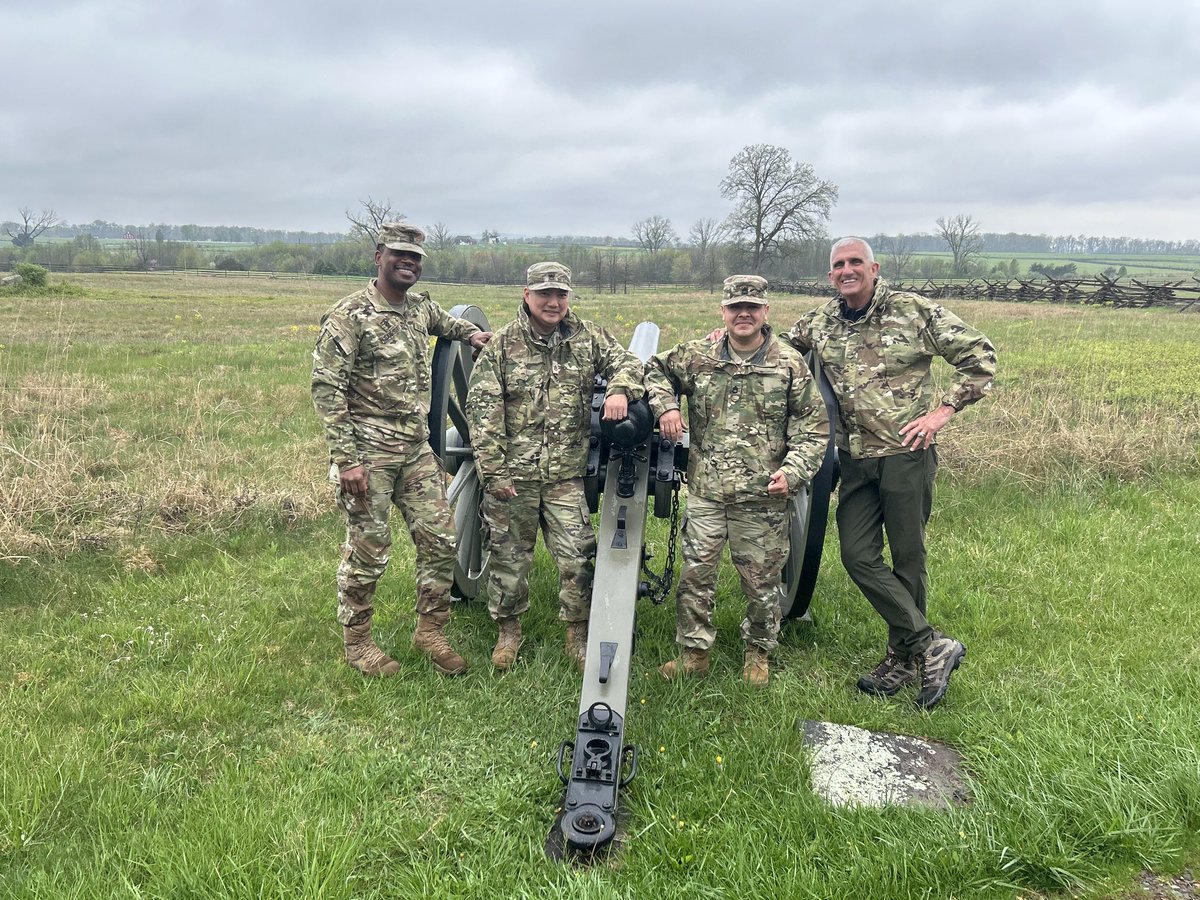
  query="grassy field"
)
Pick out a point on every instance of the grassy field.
point(175, 720)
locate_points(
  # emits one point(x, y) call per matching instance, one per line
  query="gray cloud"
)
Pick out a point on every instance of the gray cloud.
point(538, 118)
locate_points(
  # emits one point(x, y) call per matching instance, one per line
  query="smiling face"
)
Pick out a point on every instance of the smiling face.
point(853, 273)
point(546, 308)
point(744, 322)
point(398, 271)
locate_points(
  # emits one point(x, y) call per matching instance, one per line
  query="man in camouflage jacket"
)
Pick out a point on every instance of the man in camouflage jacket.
point(370, 387)
point(529, 408)
point(759, 431)
point(876, 346)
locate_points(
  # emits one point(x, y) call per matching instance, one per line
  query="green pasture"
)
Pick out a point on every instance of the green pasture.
point(176, 721)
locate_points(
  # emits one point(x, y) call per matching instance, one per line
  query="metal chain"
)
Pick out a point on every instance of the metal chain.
point(660, 585)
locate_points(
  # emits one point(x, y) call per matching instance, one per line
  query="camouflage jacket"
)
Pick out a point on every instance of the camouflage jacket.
point(746, 420)
point(529, 404)
point(878, 366)
point(371, 373)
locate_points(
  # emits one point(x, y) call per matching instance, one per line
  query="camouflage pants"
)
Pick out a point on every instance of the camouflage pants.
point(560, 509)
point(757, 533)
point(416, 486)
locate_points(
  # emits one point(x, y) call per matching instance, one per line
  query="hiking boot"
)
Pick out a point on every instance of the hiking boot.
point(363, 654)
point(890, 676)
point(755, 669)
point(577, 636)
point(693, 661)
point(430, 639)
point(507, 643)
point(936, 665)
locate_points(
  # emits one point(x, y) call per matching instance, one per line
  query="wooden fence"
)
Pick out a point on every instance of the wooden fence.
point(1129, 293)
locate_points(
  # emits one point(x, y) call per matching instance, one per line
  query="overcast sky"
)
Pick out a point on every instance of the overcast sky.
point(1055, 116)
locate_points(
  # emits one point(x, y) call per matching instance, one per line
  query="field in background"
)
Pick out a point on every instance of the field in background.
point(175, 721)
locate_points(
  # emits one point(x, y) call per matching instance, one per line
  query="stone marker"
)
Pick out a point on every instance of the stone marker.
point(855, 767)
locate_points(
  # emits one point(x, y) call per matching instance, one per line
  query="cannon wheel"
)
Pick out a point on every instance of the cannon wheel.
point(810, 516)
point(450, 438)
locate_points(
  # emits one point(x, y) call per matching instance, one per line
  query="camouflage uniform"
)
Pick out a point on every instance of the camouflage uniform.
point(529, 408)
point(879, 368)
point(370, 387)
point(747, 420)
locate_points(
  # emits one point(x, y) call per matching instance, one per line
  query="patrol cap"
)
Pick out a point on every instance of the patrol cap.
point(402, 236)
point(745, 289)
point(548, 276)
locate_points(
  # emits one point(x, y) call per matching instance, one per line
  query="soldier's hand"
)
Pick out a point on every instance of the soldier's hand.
point(508, 492)
point(716, 334)
point(354, 481)
point(919, 433)
point(477, 341)
point(670, 425)
point(778, 485)
point(616, 408)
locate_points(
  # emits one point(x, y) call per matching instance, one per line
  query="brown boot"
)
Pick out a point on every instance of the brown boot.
point(693, 661)
point(577, 637)
point(508, 642)
point(430, 639)
point(755, 669)
point(363, 654)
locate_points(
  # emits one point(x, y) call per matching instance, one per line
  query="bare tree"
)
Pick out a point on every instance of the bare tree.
point(654, 233)
point(705, 234)
point(24, 233)
point(897, 253)
point(439, 236)
point(143, 249)
point(366, 222)
point(961, 234)
point(776, 199)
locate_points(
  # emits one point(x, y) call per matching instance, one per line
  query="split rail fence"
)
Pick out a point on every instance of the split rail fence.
point(1098, 291)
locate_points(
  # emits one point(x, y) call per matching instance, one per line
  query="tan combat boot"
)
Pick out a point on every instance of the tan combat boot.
point(363, 654)
point(755, 669)
point(693, 662)
point(577, 638)
point(508, 642)
point(430, 639)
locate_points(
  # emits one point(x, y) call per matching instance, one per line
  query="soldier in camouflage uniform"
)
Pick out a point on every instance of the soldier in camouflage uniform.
point(370, 387)
point(759, 431)
point(529, 407)
point(876, 345)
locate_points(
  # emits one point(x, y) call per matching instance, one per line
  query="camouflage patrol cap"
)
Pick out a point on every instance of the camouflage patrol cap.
point(745, 289)
point(402, 236)
point(548, 276)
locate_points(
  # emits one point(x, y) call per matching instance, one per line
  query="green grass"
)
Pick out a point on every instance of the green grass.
point(175, 719)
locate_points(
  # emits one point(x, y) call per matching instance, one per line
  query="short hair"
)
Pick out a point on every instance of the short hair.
point(842, 242)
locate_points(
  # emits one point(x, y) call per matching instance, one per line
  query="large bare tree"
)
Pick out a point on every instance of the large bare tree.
point(32, 224)
point(961, 234)
point(776, 200)
point(654, 233)
point(365, 223)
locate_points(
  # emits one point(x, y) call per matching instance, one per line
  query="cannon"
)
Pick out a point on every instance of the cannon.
point(631, 471)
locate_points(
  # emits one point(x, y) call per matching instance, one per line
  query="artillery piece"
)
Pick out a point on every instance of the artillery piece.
point(630, 470)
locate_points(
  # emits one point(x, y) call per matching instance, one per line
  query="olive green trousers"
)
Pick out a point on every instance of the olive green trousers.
point(892, 495)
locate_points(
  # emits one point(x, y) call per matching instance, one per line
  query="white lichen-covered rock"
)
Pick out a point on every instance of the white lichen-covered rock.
point(10, 280)
point(855, 767)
